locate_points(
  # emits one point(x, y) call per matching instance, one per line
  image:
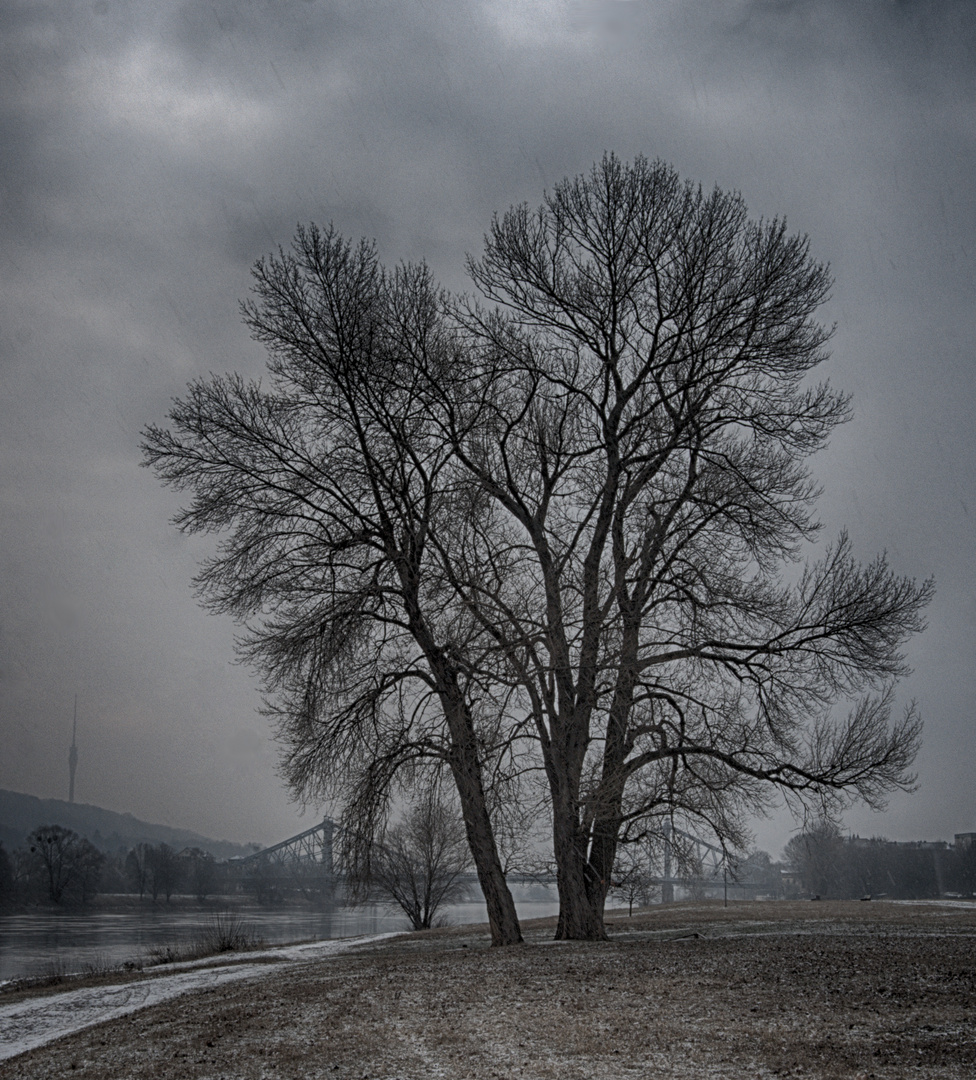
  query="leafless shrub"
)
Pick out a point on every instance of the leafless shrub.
point(420, 861)
point(226, 931)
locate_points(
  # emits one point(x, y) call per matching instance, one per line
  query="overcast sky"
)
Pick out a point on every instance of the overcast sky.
point(153, 150)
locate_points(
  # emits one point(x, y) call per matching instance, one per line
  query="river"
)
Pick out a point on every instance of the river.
point(44, 942)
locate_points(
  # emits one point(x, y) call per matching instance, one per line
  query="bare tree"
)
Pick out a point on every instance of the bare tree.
point(7, 880)
point(834, 867)
point(962, 869)
point(165, 871)
point(69, 864)
point(634, 422)
point(90, 870)
point(559, 533)
point(200, 871)
point(329, 488)
point(633, 876)
point(262, 880)
point(52, 848)
point(420, 862)
point(757, 872)
point(137, 864)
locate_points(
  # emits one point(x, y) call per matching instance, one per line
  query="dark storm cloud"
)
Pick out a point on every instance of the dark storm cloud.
point(151, 152)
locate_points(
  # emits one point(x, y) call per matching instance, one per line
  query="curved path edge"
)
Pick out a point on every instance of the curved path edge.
point(33, 1022)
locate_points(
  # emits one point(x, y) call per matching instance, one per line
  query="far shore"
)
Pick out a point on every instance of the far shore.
point(115, 903)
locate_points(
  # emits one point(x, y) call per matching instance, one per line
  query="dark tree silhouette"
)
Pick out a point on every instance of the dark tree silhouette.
point(560, 532)
point(69, 864)
point(634, 421)
point(634, 877)
point(419, 862)
point(137, 867)
point(832, 866)
point(165, 873)
point(200, 872)
point(6, 878)
point(331, 490)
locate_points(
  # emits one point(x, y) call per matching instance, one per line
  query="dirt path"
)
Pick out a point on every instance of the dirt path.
point(824, 991)
point(36, 1020)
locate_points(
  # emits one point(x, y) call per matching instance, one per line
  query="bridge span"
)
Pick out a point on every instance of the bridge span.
point(310, 862)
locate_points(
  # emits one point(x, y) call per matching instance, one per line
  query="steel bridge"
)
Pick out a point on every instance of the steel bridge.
point(305, 863)
point(314, 845)
point(310, 863)
point(706, 863)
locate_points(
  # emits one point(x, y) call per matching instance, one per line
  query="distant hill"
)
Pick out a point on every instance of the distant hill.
point(21, 814)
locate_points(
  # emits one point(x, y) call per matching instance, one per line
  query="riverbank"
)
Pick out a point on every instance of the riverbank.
point(50, 945)
point(42, 943)
point(824, 991)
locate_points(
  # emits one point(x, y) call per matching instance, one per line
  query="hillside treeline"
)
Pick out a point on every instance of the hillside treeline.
point(57, 866)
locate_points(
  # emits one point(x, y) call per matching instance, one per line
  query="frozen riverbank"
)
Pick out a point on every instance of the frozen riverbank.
point(828, 991)
point(35, 1021)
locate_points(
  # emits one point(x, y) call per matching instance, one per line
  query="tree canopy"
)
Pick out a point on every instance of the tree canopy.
point(558, 530)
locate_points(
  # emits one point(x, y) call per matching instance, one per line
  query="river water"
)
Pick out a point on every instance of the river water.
point(42, 943)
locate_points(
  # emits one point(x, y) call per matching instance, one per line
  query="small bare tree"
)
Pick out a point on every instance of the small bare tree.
point(200, 871)
point(90, 864)
point(69, 864)
point(815, 856)
point(137, 864)
point(633, 877)
point(420, 862)
point(6, 878)
point(165, 871)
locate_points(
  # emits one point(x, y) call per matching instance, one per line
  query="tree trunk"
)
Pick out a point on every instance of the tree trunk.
point(603, 853)
point(502, 917)
point(579, 918)
point(585, 858)
point(608, 803)
point(466, 769)
point(605, 830)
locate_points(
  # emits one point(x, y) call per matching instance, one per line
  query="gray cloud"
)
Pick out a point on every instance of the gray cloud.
point(151, 152)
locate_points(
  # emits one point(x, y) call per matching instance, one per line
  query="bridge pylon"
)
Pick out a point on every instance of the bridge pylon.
point(304, 863)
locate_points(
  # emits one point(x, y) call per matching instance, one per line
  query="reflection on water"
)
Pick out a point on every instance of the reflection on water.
point(42, 942)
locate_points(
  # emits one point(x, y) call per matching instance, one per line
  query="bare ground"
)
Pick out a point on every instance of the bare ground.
point(817, 990)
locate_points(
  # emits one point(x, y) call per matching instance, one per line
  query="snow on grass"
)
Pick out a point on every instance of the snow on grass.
point(33, 1022)
point(842, 991)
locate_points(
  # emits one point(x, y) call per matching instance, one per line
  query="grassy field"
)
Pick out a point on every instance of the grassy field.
point(819, 990)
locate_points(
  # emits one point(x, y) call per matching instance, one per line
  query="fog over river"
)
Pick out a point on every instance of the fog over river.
point(40, 943)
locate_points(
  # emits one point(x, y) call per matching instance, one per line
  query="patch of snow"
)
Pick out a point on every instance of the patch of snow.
point(33, 1022)
point(967, 904)
point(309, 950)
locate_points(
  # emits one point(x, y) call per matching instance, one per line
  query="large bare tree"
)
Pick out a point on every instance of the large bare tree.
point(633, 427)
point(69, 865)
point(328, 487)
point(569, 524)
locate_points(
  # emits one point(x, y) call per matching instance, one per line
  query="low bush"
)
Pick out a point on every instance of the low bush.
point(227, 932)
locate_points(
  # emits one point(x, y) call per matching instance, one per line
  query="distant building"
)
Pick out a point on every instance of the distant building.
point(73, 755)
point(922, 845)
point(965, 839)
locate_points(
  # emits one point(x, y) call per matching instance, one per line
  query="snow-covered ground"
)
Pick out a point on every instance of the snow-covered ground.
point(36, 1021)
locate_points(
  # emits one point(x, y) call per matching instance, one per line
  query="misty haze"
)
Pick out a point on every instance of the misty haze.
point(487, 561)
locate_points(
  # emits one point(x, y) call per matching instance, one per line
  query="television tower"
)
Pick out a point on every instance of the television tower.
point(73, 755)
